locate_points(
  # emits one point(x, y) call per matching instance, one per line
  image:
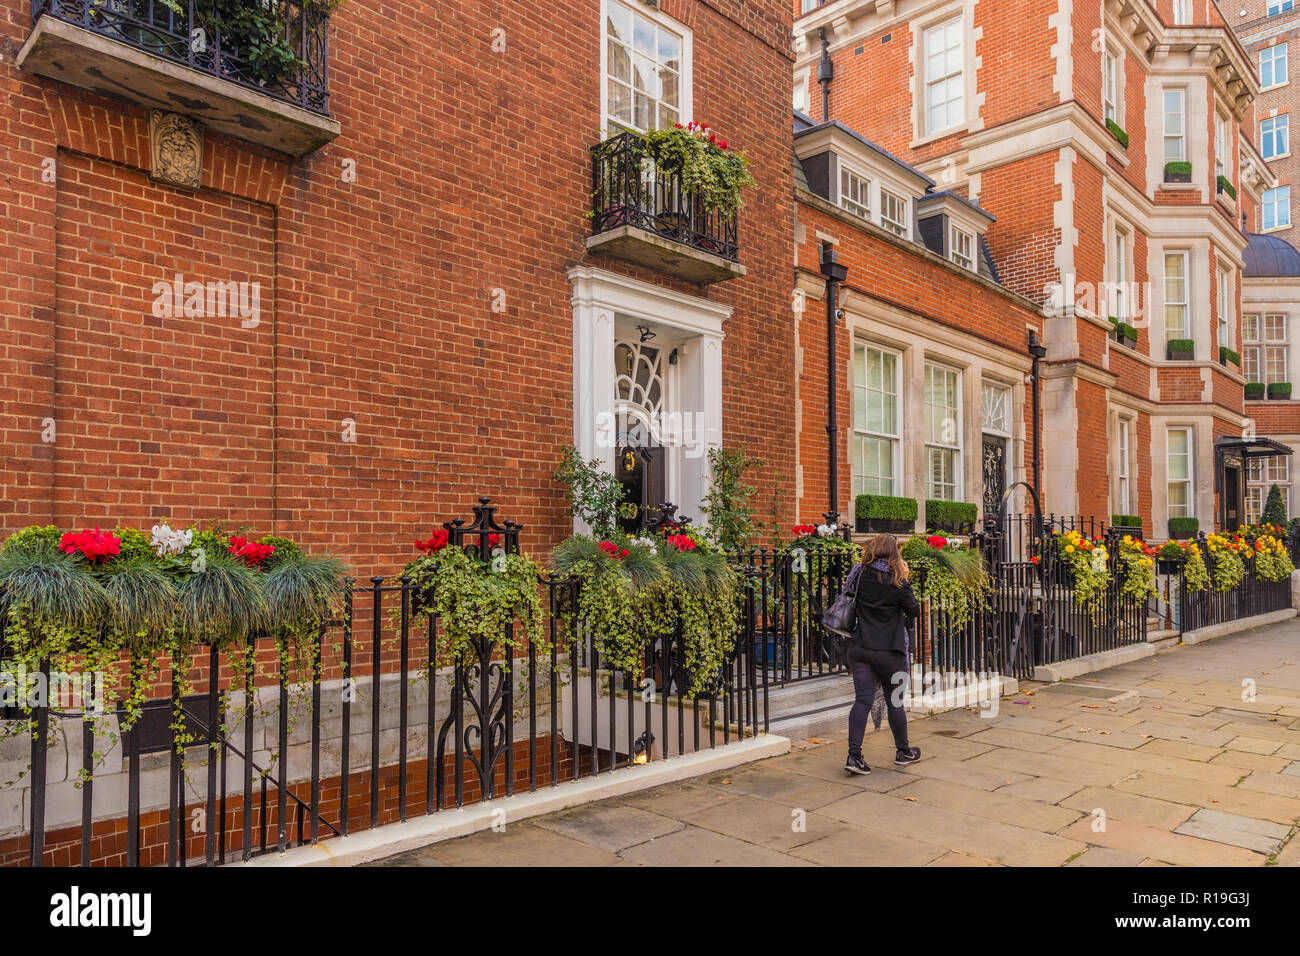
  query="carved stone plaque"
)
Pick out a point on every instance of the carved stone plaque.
point(175, 150)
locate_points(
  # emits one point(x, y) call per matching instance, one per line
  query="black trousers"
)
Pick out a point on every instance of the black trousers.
point(889, 669)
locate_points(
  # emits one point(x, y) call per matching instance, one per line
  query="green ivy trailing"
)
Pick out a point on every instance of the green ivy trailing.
point(476, 598)
point(710, 170)
point(632, 590)
point(727, 505)
point(951, 577)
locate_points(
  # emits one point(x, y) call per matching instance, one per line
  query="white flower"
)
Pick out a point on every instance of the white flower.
point(165, 541)
point(1099, 559)
point(825, 530)
point(646, 543)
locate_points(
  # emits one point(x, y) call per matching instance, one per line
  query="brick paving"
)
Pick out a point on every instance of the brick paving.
point(1165, 761)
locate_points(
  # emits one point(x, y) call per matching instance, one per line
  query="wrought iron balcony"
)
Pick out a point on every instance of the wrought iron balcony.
point(264, 80)
point(643, 214)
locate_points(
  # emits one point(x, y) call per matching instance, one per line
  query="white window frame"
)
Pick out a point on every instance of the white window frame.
point(861, 430)
point(1261, 475)
point(862, 205)
point(1277, 52)
point(800, 99)
point(937, 445)
point(900, 226)
point(613, 125)
point(932, 81)
point(1182, 12)
point(1222, 166)
point(1279, 6)
point(1224, 310)
point(1275, 136)
point(991, 385)
point(957, 237)
point(1123, 446)
point(1185, 302)
point(1119, 273)
point(1188, 510)
point(1265, 345)
point(1278, 200)
point(1179, 137)
point(1110, 86)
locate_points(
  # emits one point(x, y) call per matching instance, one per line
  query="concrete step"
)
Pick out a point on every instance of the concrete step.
point(805, 694)
point(822, 719)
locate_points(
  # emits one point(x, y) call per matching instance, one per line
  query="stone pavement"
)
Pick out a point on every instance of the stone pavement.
point(1154, 763)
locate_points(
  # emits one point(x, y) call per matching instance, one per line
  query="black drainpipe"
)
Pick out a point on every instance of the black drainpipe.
point(825, 72)
point(835, 274)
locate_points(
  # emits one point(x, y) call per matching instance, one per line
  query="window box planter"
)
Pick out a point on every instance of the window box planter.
point(1126, 334)
point(884, 514)
point(954, 517)
point(1279, 390)
point(1224, 187)
point(1118, 132)
point(1183, 528)
point(1228, 357)
point(1178, 172)
point(1180, 350)
point(1254, 391)
point(1126, 524)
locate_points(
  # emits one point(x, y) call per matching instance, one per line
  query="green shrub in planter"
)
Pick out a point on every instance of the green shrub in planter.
point(1127, 334)
point(949, 515)
point(884, 513)
point(1178, 172)
point(1254, 391)
point(1126, 522)
point(1118, 132)
point(1183, 527)
point(1228, 355)
point(1226, 187)
point(1279, 390)
point(1180, 349)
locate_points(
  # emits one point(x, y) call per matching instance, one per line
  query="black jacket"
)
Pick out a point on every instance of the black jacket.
point(883, 611)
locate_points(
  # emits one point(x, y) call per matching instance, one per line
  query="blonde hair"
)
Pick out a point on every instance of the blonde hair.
point(885, 546)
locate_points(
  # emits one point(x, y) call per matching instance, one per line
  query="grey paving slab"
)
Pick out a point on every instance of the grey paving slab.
point(610, 826)
point(1106, 856)
point(1163, 814)
point(1137, 838)
point(790, 788)
point(860, 846)
point(520, 844)
point(1017, 740)
point(1043, 789)
point(1030, 814)
point(764, 823)
point(1262, 836)
point(693, 846)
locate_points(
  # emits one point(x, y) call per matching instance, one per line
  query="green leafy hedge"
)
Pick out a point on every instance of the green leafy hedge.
point(885, 507)
point(1254, 390)
point(1178, 168)
point(1126, 521)
point(1279, 390)
point(1225, 186)
point(1118, 132)
point(949, 512)
point(1183, 527)
point(1228, 355)
point(1180, 347)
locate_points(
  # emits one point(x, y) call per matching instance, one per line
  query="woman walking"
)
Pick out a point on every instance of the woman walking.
point(878, 651)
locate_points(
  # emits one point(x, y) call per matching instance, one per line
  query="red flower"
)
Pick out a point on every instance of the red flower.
point(250, 552)
point(937, 541)
point(494, 541)
point(682, 542)
point(721, 144)
point(93, 545)
point(613, 550)
point(437, 541)
point(1034, 559)
point(801, 530)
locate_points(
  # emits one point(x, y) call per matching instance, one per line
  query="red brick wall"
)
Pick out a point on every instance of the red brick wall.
point(473, 174)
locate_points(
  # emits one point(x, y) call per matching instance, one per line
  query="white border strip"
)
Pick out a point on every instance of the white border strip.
point(447, 824)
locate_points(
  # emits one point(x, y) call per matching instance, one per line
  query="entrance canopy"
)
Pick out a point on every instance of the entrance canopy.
point(1250, 447)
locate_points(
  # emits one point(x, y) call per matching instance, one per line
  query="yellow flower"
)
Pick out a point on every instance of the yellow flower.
point(1069, 548)
point(1128, 539)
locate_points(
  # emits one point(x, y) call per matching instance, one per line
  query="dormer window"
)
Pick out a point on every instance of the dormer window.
point(855, 193)
point(962, 244)
point(893, 213)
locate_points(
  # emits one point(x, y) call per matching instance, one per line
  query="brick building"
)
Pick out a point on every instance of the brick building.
point(1270, 32)
point(400, 303)
point(1107, 157)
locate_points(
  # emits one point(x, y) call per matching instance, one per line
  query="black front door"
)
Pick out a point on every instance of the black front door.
point(995, 473)
point(640, 469)
point(1231, 496)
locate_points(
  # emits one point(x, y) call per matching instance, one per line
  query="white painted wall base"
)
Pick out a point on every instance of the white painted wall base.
point(1203, 634)
point(447, 824)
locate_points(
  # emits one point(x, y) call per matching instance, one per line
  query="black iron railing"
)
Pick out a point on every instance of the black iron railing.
point(384, 727)
point(629, 190)
point(1186, 610)
point(283, 52)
